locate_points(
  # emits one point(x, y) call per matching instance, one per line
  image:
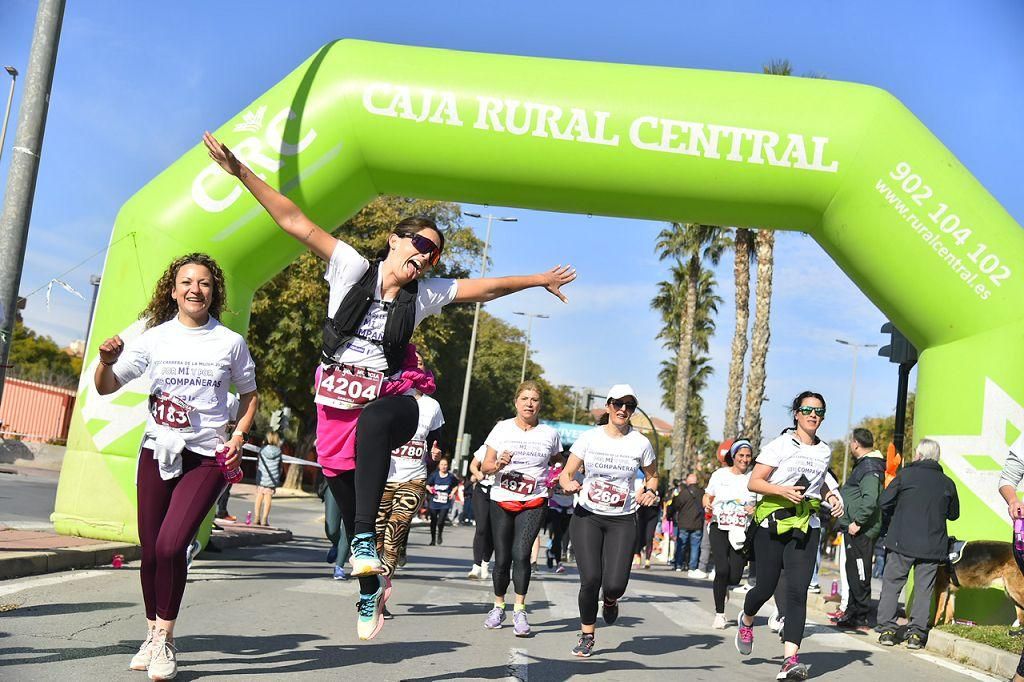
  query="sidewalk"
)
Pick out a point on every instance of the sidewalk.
point(30, 552)
point(975, 654)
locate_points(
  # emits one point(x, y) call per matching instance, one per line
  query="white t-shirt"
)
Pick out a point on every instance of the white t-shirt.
point(364, 349)
point(409, 462)
point(610, 465)
point(481, 452)
point(523, 479)
point(732, 497)
point(559, 498)
point(792, 459)
point(194, 366)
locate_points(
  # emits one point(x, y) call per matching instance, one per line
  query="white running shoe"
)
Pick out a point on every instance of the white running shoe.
point(163, 664)
point(474, 573)
point(775, 621)
point(720, 622)
point(484, 575)
point(190, 553)
point(742, 589)
point(140, 661)
point(697, 573)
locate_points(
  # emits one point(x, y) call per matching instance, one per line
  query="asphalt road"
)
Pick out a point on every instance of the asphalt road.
point(274, 612)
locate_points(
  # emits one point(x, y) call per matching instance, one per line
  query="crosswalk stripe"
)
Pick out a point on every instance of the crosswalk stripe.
point(518, 666)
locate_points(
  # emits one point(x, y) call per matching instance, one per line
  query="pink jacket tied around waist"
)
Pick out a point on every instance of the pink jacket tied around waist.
point(336, 429)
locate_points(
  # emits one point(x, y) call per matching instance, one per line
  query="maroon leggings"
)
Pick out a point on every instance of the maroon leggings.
point(170, 513)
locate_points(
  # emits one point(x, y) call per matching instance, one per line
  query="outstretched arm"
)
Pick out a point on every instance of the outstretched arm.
point(484, 289)
point(283, 210)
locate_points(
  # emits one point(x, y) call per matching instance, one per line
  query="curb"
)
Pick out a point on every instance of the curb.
point(982, 656)
point(18, 564)
point(960, 649)
point(228, 540)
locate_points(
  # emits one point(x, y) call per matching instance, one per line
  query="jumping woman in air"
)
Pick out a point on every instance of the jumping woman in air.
point(365, 407)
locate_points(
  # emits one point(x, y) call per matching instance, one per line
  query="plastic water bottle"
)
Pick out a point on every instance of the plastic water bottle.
point(835, 587)
point(233, 475)
point(1018, 535)
point(248, 518)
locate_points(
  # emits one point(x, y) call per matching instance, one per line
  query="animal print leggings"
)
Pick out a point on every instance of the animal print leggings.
point(398, 505)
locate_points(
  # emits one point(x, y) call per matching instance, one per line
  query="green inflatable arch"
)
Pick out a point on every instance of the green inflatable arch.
point(845, 163)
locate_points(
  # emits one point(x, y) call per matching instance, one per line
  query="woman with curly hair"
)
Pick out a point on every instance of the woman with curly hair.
point(364, 408)
point(190, 360)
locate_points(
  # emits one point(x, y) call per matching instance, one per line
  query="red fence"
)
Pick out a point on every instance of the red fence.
point(33, 411)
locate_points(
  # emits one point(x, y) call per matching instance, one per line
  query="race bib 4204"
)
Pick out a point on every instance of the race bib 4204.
point(346, 387)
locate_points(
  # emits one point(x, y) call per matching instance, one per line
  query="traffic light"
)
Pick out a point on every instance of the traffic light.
point(899, 350)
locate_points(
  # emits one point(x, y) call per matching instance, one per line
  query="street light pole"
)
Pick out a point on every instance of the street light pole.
point(7, 114)
point(94, 280)
point(853, 391)
point(24, 167)
point(526, 348)
point(472, 338)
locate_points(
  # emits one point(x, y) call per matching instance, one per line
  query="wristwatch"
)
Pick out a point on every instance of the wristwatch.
point(243, 434)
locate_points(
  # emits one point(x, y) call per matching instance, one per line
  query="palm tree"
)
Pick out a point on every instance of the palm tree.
point(744, 240)
point(764, 247)
point(691, 245)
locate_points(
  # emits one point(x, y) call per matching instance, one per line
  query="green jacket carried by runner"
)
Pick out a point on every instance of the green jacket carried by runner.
point(785, 515)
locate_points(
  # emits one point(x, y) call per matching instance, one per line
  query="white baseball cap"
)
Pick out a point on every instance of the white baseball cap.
point(620, 391)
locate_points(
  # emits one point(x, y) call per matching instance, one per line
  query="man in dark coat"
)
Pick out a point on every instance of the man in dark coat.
point(861, 524)
point(687, 511)
point(915, 508)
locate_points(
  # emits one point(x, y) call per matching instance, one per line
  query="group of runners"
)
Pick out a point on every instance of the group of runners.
point(377, 427)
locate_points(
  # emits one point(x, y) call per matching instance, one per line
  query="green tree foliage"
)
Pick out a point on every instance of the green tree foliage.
point(38, 358)
point(670, 302)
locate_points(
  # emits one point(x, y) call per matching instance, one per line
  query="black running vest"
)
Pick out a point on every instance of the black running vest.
point(398, 329)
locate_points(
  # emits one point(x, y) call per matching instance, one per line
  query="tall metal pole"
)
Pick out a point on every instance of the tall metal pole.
point(526, 348)
point(853, 392)
point(94, 280)
point(21, 177)
point(472, 341)
point(7, 112)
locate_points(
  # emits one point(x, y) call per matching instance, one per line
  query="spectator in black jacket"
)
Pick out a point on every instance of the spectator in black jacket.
point(687, 510)
point(915, 508)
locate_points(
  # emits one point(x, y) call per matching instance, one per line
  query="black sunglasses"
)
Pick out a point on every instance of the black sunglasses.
point(619, 404)
point(424, 245)
point(806, 410)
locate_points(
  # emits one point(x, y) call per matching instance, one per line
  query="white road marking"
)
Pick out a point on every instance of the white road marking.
point(60, 578)
point(562, 597)
point(518, 666)
point(963, 670)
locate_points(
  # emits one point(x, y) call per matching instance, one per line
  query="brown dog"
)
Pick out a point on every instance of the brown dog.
point(984, 564)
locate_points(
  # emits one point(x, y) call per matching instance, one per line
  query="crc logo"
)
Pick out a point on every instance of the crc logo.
point(255, 151)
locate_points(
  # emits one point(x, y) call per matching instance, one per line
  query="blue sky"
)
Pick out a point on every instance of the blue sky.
point(137, 83)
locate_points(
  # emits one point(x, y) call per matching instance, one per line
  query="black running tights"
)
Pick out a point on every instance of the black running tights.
point(385, 424)
point(728, 565)
point(483, 545)
point(604, 554)
point(773, 554)
point(514, 533)
point(647, 523)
